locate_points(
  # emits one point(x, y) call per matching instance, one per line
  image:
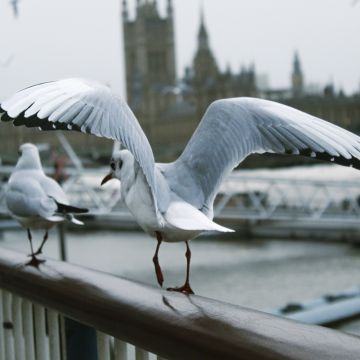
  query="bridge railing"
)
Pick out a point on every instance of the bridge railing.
point(35, 302)
point(256, 197)
point(242, 196)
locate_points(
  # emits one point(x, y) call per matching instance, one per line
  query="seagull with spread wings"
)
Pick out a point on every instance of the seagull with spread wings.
point(174, 202)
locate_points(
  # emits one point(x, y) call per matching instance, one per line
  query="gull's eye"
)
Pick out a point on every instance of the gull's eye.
point(112, 165)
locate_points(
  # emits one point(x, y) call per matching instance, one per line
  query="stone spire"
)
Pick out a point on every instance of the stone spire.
point(149, 53)
point(125, 12)
point(170, 9)
point(205, 67)
point(297, 66)
point(147, 9)
point(297, 77)
point(203, 38)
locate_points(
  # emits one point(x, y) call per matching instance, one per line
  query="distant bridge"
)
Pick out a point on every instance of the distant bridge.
point(243, 197)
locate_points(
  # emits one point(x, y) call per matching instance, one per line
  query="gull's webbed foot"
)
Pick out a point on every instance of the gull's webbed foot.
point(35, 262)
point(185, 289)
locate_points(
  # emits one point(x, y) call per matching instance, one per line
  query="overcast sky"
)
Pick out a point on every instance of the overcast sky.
point(54, 39)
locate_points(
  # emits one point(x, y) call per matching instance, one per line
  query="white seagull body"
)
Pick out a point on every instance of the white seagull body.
point(35, 200)
point(174, 201)
point(180, 221)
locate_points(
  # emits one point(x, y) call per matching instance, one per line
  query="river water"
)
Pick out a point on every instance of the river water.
point(260, 274)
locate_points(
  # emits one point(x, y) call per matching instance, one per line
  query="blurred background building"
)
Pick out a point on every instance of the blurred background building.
point(169, 107)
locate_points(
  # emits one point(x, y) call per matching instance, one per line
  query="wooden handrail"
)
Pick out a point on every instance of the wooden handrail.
point(171, 325)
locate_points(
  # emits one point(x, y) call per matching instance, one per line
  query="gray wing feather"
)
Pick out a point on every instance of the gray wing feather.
point(81, 105)
point(232, 129)
point(26, 198)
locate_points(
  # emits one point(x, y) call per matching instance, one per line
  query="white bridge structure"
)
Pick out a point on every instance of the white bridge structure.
point(277, 198)
point(326, 194)
point(245, 195)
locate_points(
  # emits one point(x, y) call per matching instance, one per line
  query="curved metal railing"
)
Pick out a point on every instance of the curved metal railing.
point(173, 326)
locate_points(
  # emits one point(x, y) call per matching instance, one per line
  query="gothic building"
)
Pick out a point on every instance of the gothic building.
point(328, 104)
point(168, 108)
point(208, 83)
point(150, 67)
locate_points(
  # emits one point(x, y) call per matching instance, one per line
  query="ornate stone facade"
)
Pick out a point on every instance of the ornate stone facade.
point(170, 109)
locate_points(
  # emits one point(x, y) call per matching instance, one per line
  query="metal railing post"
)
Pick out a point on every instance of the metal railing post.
point(120, 348)
point(54, 335)
point(103, 346)
point(7, 327)
point(18, 329)
point(29, 330)
point(141, 354)
point(40, 333)
point(62, 241)
point(2, 332)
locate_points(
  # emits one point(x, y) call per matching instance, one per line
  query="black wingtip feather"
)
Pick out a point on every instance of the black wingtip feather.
point(6, 118)
point(47, 125)
point(62, 208)
point(33, 121)
point(340, 160)
point(20, 119)
point(60, 126)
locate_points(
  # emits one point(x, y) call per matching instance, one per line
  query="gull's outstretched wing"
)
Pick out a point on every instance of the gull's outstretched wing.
point(81, 105)
point(232, 129)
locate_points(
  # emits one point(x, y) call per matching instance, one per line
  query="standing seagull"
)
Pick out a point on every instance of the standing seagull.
point(35, 200)
point(174, 202)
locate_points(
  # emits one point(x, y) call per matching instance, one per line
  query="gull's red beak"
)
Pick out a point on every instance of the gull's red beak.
point(106, 179)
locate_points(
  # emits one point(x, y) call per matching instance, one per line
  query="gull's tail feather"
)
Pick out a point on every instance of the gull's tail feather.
point(74, 220)
point(184, 216)
point(62, 208)
point(55, 218)
point(69, 217)
point(220, 228)
point(68, 212)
